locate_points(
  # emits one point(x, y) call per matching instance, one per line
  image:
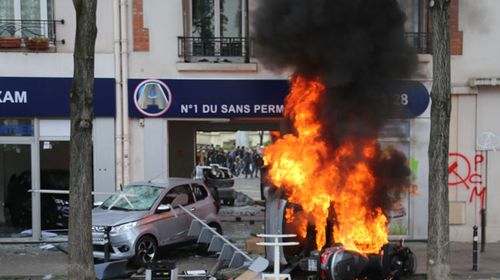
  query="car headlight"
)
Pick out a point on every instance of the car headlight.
point(122, 228)
point(98, 228)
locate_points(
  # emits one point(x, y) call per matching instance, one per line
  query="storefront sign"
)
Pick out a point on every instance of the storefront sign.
point(186, 98)
point(13, 97)
point(411, 99)
point(207, 98)
point(240, 98)
point(49, 97)
point(152, 98)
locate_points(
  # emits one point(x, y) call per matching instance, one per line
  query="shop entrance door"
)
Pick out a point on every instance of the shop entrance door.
point(15, 183)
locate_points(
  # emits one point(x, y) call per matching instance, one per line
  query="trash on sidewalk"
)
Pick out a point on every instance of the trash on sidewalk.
point(249, 275)
point(161, 270)
point(48, 247)
point(241, 199)
point(252, 247)
point(110, 270)
point(242, 211)
point(44, 234)
point(196, 272)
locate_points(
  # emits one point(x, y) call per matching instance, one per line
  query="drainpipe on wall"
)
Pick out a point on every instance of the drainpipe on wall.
point(125, 118)
point(118, 95)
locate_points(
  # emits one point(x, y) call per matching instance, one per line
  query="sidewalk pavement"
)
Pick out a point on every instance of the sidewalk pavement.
point(461, 260)
point(30, 261)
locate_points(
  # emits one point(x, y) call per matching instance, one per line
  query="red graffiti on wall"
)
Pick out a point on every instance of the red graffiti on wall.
point(463, 174)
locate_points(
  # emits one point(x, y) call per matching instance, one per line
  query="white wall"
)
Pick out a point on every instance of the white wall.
point(164, 19)
point(475, 110)
point(64, 10)
point(479, 21)
point(136, 129)
point(50, 65)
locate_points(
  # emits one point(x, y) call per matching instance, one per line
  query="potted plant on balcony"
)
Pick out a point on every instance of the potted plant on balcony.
point(10, 42)
point(37, 43)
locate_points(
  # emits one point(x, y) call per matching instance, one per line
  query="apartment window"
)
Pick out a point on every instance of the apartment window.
point(26, 19)
point(216, 31)
point(216, 18)
point(416, 24)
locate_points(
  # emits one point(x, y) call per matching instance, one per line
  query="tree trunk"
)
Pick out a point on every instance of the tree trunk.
point(438, 249)
point(82, 113)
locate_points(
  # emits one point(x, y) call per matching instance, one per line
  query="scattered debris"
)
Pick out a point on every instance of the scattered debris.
point(196, 272)
point(241, 199)
point(44, 234)
point(48, 247)
point(248, 275)
point(252, 247)
point(242, 211)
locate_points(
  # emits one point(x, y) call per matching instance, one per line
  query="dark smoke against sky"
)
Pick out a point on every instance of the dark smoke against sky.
point(342, 40)
point(356, 48)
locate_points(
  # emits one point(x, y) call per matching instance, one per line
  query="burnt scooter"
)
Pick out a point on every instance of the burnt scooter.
point(337, 263)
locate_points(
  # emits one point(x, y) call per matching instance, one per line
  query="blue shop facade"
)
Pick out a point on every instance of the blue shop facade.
point(163, 116)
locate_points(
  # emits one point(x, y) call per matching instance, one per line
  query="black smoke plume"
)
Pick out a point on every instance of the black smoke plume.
point(357, 48)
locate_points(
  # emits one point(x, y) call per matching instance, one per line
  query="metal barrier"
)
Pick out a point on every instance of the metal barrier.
point(277, 244)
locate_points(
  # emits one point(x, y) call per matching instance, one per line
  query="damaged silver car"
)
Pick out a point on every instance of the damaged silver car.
point(145, 216)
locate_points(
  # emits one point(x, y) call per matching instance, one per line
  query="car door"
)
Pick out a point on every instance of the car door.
point(173, 224)
point(203, 205)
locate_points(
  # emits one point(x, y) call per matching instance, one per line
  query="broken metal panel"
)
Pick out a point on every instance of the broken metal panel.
point(216, 244)
point(195, 228)
point(205, 236)
point(226, 253)
point(237, 260)
point(275, 210)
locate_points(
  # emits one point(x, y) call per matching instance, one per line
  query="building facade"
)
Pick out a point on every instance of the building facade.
point(474, 133)
point(36, 54)
point(168, 69)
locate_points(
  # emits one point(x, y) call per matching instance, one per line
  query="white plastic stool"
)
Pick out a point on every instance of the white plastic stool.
point(276, 244)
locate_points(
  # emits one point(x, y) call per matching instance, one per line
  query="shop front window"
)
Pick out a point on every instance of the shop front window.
point(396, 135)
point(54, 177)
point(15, 183)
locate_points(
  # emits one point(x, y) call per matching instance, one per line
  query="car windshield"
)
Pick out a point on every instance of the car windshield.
point(133, 198)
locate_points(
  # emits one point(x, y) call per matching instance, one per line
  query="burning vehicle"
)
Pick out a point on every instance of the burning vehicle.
point(333, 260)
point(338, 263)
point(330, 181)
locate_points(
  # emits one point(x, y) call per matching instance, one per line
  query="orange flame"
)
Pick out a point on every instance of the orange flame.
point(318, 178)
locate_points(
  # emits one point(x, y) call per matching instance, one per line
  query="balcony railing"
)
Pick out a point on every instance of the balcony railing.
point(12, 28)
point(420, 41)
point(238, 49)
point(214, 49)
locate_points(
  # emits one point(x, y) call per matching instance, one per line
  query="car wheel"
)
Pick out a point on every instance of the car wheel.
point(217, 227)
point(146, 250)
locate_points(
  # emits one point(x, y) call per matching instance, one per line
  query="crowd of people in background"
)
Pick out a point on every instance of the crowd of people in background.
point(240, 160)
